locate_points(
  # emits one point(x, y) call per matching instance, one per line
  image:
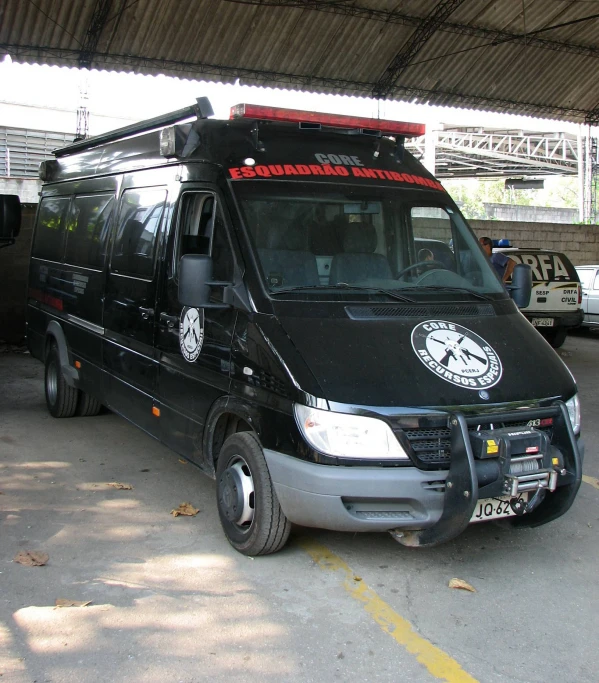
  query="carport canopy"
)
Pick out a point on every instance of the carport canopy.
point(535, 57)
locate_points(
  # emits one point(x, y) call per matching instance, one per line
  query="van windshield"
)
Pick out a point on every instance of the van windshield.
point(325, 237)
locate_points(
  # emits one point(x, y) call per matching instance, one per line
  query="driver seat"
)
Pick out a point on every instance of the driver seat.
point(359, 262)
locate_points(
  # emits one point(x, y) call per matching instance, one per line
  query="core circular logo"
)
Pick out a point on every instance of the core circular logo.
point(456, 354)
point(191, 333)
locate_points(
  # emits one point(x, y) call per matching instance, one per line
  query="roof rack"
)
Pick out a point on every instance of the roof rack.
point(202, 110)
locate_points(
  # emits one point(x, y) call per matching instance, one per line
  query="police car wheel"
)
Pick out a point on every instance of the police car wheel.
point(61, 399)
point(249, 510)
point(556, 337)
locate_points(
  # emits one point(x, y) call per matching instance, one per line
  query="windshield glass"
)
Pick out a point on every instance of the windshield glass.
point(328, 238)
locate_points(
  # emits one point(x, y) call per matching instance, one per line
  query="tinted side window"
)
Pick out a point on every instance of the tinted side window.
point(197, 222)
point(87, 230)
point(203, 231)
point(49, 235)
point(137, 232)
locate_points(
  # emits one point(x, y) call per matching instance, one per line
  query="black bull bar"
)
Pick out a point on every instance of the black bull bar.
point(461, 484)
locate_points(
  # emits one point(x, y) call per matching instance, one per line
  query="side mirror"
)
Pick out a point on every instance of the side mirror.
point(10, 217)
point(195, 274)
point(521, 287)
point(195, 282)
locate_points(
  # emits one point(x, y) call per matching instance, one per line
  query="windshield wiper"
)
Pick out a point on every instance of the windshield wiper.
point(346, 286)
point(445, 288)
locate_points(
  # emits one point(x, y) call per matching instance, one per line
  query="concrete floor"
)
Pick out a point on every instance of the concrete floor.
point(171, 600)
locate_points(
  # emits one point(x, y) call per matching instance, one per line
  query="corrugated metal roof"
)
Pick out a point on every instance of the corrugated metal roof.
point(536, 57)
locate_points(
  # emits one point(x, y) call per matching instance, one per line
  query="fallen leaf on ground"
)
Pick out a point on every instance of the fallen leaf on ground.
point(31, 558)
point(63, 602)
point(186, 509)
point(118, 485)
point(183, 462)
point(463, 585)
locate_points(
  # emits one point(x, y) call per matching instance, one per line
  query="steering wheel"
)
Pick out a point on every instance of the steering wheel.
point(422, 264)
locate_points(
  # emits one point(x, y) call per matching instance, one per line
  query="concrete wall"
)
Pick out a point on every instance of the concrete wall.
point(27, 188)
point(530, 214)
point(579, 242)
point(14, 266)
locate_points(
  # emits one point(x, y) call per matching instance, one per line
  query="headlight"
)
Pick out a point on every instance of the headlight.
point(348, 436)
point(573, 406)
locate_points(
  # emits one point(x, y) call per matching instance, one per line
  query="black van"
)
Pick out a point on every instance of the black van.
point(293, 303)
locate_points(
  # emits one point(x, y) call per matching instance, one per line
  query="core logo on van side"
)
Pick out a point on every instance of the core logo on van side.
point(456, 354)
point(191, 333)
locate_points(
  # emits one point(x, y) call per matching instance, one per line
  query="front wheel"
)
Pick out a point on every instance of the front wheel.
point(61, 398)
point(249, 510)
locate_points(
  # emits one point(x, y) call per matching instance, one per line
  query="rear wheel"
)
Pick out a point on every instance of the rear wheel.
point(556, 337)
point(248, 507)
point(88, 406)
point(61, 398)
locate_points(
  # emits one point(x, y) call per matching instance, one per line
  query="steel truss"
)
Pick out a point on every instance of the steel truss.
point(492, 37)
point(427, 27)
point(468, 152)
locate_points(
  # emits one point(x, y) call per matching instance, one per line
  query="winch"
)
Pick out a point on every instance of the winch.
point(525, 459)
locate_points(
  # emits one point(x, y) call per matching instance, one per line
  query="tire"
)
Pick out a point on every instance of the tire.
point(556, 337)
point(87, 406)
point(61, 399)
point(249, 510)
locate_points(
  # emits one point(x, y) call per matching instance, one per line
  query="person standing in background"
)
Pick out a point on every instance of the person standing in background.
point(503, 264)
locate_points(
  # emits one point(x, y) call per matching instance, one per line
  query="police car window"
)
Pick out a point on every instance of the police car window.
point(137, 233)
point(432, 234)
point(586, 277)
point(49, 235)
point(88, 225)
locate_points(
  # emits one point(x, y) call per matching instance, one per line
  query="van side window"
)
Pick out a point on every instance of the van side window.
point(138, 228)
point(49, 235)
point(203, 231)
point(197, 223)
point(88, 225)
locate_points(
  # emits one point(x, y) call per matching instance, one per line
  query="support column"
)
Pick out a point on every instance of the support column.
point(580, 152)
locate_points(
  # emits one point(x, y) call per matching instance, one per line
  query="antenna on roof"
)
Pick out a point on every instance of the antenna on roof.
point(201, 110)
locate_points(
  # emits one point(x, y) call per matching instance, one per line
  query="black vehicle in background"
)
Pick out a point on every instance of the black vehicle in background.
point(292, 302)
point(10, 219)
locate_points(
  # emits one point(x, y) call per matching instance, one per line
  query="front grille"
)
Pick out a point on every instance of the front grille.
point(432, 447)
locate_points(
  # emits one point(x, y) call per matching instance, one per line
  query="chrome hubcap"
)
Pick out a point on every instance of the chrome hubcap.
point(236, 493)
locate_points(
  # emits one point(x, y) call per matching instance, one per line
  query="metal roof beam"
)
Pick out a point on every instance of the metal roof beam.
point(491, 36)
point(412, 47)
point(94, 30)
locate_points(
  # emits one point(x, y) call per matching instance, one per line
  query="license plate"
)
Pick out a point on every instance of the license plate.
point(542, 322)
point(493, 508)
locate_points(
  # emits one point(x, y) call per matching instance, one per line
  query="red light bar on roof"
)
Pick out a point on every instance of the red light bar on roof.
point(258, 111)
